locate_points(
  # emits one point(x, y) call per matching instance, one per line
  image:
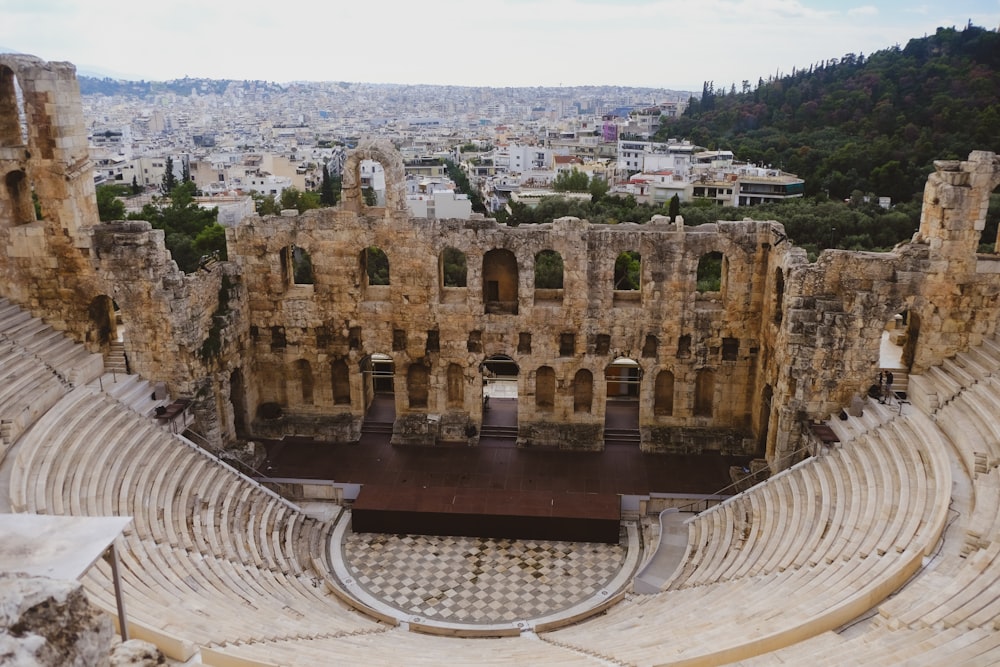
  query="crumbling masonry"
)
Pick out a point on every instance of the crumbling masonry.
point(268, 344)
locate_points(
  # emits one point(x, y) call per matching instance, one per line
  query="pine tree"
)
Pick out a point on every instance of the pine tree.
point(327, 193)
point(169, 180)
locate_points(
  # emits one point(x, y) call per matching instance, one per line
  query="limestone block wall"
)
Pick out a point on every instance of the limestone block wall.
point(960, 286)
point(340, 320)
point(43, 151)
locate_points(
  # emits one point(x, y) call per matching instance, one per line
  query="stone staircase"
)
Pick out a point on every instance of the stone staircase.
point(622, 436)
point(114, 360)
point(498, 432)
point(376, 427)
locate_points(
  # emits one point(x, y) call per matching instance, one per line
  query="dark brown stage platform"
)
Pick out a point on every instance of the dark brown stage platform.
point(539, 515)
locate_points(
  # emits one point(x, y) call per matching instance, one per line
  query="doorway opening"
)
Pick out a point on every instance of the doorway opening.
point(621, 411)
point(500, 376)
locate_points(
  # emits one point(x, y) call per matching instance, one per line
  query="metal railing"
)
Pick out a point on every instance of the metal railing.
point(689, 507)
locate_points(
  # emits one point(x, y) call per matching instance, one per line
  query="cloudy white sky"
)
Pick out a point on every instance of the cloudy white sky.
point(659, 43)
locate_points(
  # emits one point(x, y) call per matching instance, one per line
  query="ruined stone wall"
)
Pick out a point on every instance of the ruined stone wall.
point(743, 369)
point(46, 268)
point(341, 317)
point(960, 287)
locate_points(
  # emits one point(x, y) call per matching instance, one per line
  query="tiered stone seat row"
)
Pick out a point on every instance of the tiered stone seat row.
point(396, 647)
point(795, 556)
point(211, 556)
point(950, 612)
point(872, 416)
point(69, 360)
point(37, 367)
point(867, 498)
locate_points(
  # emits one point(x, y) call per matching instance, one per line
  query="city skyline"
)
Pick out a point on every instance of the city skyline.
point(642, 43)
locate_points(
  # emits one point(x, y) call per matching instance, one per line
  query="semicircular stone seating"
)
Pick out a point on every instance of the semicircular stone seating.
point(211, 557)
point(215, 563)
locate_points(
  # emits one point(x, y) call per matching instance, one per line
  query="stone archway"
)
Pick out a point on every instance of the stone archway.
point(103, 330)
point(623, 379)
point(500, 391)
point(383, 152)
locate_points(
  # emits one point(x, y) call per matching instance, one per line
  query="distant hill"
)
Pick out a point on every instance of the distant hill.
point(120, 88)
point(872, 124)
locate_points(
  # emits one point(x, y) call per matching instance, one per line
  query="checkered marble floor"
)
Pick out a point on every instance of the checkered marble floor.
point(479, 580)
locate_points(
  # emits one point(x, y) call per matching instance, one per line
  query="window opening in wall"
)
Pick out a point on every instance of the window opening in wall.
point(354, 338)
point(500, 391)
point(21, 197)
point(545, 388)
point(684, 346)
point(13, 119)
point(602, 344)
point(649, 347)
point(583, 391)
point(500, 282)
point(548, 270)
point(398, 340)
point(453, 268)
point(524, 343)
point(567, 344)
point(376, 266)
point(548, 276)
point(475, 341)
point(730, 349)
point(433, 341)
point(278, 340)
point(300, 263)
point(623, 378)
point(628, 268)
point(710, 272)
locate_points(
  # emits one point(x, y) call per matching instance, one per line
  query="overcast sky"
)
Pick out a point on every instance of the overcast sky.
point(658, 43)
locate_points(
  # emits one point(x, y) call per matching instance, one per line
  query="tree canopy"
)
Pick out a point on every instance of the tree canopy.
point(190, 231)
point(873, 124)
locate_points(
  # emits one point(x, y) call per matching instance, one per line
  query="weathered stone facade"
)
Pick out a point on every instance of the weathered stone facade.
point(267, 350)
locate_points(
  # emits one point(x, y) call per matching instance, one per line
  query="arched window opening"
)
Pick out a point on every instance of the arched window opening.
point(779, 295)
point(548, 276)
point(417, 381)
point(628, 272)
point(623, 376)
point(376, 265)
point(704, 393)
point(710, 272)
point(303, 371)
point(545, 388)
point(103, 323)
point(663, 401)
point(623, 380)
point(341, 381)
point(583, 391)
point(454, 270)
point(456, 386)
point(19, 194)
point(500, 279)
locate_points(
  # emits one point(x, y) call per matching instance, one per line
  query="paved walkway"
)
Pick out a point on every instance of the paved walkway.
point(479, 581)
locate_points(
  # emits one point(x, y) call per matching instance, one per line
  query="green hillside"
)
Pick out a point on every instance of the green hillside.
point(873, 124)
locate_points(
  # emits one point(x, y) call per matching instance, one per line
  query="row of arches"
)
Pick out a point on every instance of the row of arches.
point(500, 274)
point(623, 378)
